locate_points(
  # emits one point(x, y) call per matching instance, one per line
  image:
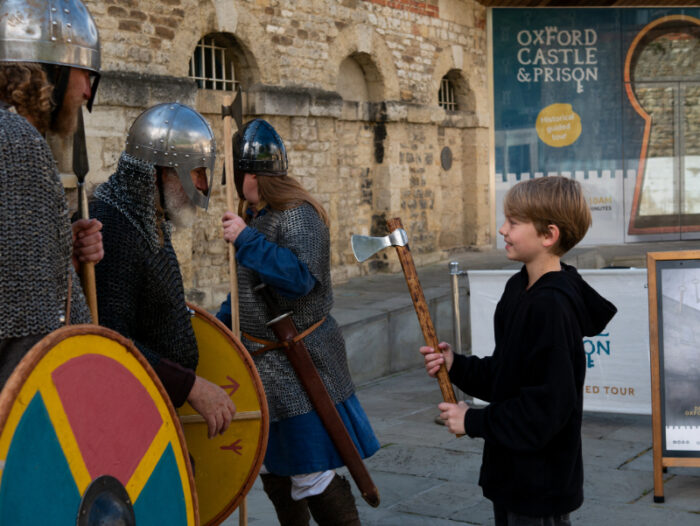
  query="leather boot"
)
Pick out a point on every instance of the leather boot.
point(290, 512)
point(335, 506)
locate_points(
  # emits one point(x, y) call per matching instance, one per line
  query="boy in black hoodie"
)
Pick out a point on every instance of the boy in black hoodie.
point(532, 467)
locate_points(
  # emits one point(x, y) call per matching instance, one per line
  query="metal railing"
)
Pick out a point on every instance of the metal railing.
point(455, 274)
point(210, 68)
point(446, 95)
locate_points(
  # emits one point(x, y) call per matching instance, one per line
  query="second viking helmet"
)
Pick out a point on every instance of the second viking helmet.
point(257, 149)
point(175, 136)
point(55, 33)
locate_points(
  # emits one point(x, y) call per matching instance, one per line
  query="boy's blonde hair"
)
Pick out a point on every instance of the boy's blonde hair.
point(551, 201)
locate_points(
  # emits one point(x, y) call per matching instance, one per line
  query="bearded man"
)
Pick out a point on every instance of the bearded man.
point(160, 179)
point(47, 60)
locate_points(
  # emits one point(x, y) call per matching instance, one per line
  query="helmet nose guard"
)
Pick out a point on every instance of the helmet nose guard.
point(175, 136)
point(258, 149)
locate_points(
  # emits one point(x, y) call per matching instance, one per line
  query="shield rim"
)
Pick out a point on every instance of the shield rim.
point(264, 412)
point(14, 384)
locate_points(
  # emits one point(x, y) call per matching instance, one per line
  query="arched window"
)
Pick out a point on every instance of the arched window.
point(359, 79)
point(212, 63)
point(446, 96)
point(352, 84)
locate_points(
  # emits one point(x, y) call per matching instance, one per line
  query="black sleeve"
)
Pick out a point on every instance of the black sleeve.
point(548, 393)
point(473, 375)
point(177, 380)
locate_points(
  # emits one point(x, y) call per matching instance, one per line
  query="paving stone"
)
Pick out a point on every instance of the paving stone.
point(427, 477)
point(610, 453)
point(447, 501)
point(431, 462)
point(606, 513)
point(614, 485)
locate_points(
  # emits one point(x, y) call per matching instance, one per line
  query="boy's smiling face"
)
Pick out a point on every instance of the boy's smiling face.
point(523, 242)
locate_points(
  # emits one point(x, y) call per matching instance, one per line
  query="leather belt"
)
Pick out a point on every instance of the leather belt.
point(269, 345)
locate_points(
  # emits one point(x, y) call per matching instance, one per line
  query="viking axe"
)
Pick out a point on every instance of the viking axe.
point(365, 246)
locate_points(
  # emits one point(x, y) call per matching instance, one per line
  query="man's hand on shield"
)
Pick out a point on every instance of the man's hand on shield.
point(213, 403)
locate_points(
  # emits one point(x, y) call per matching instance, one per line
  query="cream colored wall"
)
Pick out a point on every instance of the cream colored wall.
point(293, 58)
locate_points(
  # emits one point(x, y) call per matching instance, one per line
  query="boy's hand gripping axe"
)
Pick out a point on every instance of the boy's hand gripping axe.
point(365, 246)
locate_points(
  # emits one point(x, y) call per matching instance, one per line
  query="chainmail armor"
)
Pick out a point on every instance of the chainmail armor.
point(303, 232)
point(131, 191)
point(36, 243)
point(139, 284)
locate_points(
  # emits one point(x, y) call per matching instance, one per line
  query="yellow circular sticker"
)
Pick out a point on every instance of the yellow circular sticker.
point(558, 125)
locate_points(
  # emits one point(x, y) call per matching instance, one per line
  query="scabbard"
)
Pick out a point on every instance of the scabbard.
point(285, 330)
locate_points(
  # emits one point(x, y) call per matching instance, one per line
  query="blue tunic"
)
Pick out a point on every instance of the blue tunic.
point(299, 444)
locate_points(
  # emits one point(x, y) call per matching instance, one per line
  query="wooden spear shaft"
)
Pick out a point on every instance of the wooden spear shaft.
point(421, 306)
point(232, 271)
point(230, 204)
point(87, 270)
point(81, 167)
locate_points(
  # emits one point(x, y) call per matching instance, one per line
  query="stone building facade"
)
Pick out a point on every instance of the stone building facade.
point(351, 86)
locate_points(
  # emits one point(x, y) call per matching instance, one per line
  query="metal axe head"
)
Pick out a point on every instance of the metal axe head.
point(365, 246)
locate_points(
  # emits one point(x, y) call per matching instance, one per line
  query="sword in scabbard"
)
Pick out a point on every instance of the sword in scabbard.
point(285, 330)
point(81, 167)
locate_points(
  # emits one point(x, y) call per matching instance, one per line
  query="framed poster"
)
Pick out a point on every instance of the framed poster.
point(606, 96)
point(674, 344)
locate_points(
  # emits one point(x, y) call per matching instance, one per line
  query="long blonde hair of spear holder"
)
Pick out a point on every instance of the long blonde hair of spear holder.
point(282, 192)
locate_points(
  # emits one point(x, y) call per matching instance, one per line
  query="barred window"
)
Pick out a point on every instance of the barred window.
point(446, 95)
point(211, 65)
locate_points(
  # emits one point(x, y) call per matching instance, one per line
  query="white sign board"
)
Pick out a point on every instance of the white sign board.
point(617, 375)
point(604, 192)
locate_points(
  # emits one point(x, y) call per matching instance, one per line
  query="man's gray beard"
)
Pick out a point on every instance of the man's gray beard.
point(180, 211)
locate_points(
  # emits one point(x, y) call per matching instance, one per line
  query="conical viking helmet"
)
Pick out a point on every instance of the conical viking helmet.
point(175, 136)
point(51, 32)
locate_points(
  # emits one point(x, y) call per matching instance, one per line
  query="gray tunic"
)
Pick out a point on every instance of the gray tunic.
point(303, 232)
point(36, 242)
point(139, 284)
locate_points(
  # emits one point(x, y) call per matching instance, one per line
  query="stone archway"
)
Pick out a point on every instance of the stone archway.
point(374, 57)
point(218, 16)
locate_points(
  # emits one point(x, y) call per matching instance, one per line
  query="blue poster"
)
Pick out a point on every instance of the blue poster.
point(599, 95)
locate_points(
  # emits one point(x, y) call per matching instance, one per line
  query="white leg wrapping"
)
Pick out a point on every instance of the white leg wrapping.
point(311, 484)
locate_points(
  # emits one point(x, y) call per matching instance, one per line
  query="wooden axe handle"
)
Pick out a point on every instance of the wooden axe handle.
point(421, 306)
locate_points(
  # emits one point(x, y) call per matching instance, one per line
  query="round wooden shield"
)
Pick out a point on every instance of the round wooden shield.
point(225, 467)
point(81, 408)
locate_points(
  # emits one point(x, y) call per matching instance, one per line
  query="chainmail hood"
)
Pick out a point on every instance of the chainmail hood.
point(132, 191)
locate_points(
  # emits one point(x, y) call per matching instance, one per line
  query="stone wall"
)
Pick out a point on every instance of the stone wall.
point(366, 160)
